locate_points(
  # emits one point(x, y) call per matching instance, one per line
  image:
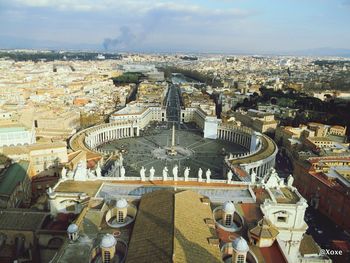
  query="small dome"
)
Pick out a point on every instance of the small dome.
point(240, 244)
point(72, 228)
point(229, 207)
point(122, 203)
point(108, 241)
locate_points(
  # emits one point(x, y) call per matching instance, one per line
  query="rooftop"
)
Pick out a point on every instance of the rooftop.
point(284, 195)
point(12, 177)
point(170, 227)
point(21, 219)
point(308, 246)
point(191, 233)
point(11, 129)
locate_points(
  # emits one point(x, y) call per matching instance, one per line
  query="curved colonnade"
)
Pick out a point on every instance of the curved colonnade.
point(262, 151)
point(90, 138)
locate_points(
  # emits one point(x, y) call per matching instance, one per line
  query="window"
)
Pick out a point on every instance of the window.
point(240, 259)
point(107, 257)
point(120, 217)
point(281, 219)
point(228, 220)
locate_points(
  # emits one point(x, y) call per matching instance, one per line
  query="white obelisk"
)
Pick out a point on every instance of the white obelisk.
point(172, 150)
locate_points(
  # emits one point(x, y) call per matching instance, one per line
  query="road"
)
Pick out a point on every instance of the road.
point(173, 105)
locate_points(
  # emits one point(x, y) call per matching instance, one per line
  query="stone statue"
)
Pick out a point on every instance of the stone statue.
point(122, 172)
point(165, 173)
point(64, 173)
point(187, 173)
point(208, 174)
point(229, 176)
point(143, 173)
point(121, 159)
point(98, 170)
point(290, 180)
point(175, 172)
point(253, 177)
point(200, 172)
point(230, 156)
point(151, 173)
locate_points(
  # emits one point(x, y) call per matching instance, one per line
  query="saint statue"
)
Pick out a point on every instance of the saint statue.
point(175, 172)
point(229, 176)
point(187, 173)
point(208, 174)
point(151, 173)
point(122, 172)
point(200, 173)
point(165, 173)
point(64, 173)
point(143, 173)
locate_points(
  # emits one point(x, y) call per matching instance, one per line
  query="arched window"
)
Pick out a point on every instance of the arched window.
point(240, 259)
point(120, 217)
point(228, 220)
point(107, 257)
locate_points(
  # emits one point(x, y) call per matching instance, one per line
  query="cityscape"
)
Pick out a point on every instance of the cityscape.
point(143, 148)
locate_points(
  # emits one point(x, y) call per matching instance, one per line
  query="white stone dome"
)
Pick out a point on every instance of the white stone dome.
point(229, 207)
point(72, 228)
point(122, 203)
point(240, 245)
point(108, 241)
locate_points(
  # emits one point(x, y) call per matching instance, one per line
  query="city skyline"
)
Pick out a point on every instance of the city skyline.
point(237, 26)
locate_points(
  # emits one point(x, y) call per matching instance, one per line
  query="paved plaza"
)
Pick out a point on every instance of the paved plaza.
point(192, 150)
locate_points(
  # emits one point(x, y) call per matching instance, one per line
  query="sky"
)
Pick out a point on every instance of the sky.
point(222, 26)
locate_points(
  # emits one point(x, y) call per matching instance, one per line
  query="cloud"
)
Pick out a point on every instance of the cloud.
point(346, 3)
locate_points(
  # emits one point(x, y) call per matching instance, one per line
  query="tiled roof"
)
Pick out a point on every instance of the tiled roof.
point(191, 234)
point(15, 174)
point(21, 220)
point(264, 229)
point(152, 235)
point(308, 246)
point(170, 227)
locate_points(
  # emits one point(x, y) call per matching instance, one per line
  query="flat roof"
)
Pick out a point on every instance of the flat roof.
point(284, 195)
point(90, 188)
point(215, 194)
point(11, 129)
point(12, 177)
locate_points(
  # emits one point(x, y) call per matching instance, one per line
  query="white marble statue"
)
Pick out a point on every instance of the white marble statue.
point(253, 177)
point(200, 173)
point(80, 173)
point(165, 173)
point(121, 159)
point(229, 176)
point(290, 180)
point(64, 173)
point(122, 172)
point(151, 174)
point(143, 173)
point(273, 180)
point(98, 170)
point(208, 174)
point(175, 172)
point(187, 173)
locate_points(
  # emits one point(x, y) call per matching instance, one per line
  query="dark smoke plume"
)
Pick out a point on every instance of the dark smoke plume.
point(125, 40)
